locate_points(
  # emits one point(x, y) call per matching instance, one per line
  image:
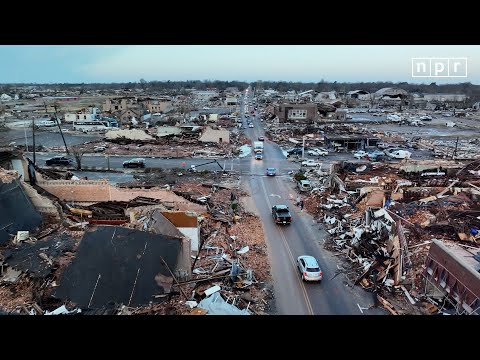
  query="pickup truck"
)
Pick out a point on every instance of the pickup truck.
point(281, 214)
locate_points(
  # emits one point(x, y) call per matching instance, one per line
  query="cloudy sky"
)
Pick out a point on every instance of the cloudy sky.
point(305, 63)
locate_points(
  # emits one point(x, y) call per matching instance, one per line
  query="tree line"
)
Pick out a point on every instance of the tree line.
point(180, 87)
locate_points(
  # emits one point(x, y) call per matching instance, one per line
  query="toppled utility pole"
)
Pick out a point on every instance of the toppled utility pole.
point(174, 278)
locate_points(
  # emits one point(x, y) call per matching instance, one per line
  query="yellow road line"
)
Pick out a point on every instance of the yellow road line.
point(292, 258)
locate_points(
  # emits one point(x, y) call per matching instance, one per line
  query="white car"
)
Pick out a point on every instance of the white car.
point(250, 125)
point(310, 162)
point(360, 154)
point(399, 154)
point(309, 268)
point(317, 152)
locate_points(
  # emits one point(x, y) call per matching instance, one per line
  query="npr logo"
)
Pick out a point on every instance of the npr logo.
point(439, 67)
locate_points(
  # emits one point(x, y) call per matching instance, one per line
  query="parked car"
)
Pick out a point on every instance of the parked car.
point(309, 268)
point(317, 152)
point(271, 171)
point(360, 154)
point(58, 160)
point(294, 151)
point(99, 149)
point(134, 163)
point(382, 145)
point(261, 138)
point(376, 154)
point(399, 154)
point(310, 162)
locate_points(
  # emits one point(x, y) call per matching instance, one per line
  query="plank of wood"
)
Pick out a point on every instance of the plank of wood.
point(387, 305)
point(407, 294)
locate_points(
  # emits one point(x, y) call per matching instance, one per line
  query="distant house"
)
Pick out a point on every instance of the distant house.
point(300, 113)
point(159, 105)
point(231, 101)
point(358, 94)
point(326, 95)
point(5, 97)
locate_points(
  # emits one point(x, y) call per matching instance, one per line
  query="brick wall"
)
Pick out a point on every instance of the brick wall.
point(100, 190)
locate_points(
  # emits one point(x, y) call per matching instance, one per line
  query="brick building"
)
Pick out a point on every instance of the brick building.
point(296, 113)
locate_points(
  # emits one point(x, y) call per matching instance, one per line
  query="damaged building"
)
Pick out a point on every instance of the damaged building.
point(296, 113)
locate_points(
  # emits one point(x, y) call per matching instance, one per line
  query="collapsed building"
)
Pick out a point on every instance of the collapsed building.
point(102, 249)
point(399, 229)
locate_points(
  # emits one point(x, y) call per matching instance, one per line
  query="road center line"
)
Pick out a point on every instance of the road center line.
point(292, 258)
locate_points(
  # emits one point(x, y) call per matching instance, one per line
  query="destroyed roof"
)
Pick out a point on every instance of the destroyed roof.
point(121, 265)
point(17, 211)
point(391, 92)
point(28, 257)
point(363, 92)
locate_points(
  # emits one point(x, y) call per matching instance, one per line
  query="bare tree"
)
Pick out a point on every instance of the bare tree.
point(78, 152)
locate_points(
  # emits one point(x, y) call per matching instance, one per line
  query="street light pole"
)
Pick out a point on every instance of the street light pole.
point(33, 141)
point(25, 131)
point(303, 146)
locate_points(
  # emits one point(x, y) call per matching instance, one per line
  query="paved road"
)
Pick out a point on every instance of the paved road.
point(116, 162)
point(303, 236)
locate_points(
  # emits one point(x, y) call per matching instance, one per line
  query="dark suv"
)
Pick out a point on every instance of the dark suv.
point(58, 160)
point(134, 163)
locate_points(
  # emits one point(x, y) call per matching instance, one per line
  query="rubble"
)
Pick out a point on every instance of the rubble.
point(385, 231)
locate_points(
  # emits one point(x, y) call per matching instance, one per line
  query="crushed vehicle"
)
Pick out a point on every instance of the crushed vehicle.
point(304, 185)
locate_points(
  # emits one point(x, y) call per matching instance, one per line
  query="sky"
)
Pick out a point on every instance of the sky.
point(304, 63)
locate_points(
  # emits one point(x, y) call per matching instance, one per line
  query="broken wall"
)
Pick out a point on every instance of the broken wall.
point(218, 136)
point(17, 211)
point(161, 225)
point(132, 134)
point(187, 225)
point(41, 203)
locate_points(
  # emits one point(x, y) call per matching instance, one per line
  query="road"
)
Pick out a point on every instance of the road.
point(333, 296)
point(116, 162)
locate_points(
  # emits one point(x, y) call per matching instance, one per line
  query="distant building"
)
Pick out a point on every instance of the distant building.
point(61, 98)
point(445, 97)
point(159, 105)
point(299, 113)
point(89, 115)
point(124, 108)
point(326, 95)
point(205, 95)
point(231, 101)
point(217, 136)
point(5, 97)
point(358, 94)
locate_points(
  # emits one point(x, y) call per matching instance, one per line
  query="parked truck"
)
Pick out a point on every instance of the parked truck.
point(258, 146)
point(281, 214)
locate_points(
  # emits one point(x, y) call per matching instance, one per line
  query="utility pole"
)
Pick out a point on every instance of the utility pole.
point(33, 140)
point(25, 131)
point(456, 147)
point(303, 146)
point(60, 128)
